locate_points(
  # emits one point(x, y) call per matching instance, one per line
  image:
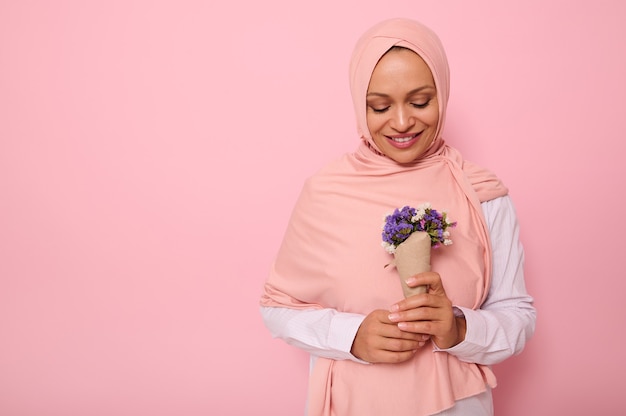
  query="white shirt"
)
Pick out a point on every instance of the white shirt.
point(496, 331)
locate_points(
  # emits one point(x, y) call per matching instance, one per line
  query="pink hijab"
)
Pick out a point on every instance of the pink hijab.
point(331, 255)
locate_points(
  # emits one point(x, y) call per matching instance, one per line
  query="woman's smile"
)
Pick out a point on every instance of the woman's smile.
point(402, 110)
point(403, 141)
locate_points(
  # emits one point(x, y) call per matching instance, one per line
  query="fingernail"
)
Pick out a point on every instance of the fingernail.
point(394, 308)
point(393, 316)
point(410, 280)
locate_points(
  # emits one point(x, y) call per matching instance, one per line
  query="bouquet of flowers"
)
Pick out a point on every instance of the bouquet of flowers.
point(408, 234)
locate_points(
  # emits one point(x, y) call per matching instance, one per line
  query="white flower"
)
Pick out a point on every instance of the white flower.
point(418, 217)
point(420, 213)
point(389, 248)
point(447, 242)
point(424, 206)
point(446, 234)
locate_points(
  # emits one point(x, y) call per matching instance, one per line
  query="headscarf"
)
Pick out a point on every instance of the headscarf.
point(331, 255)
point(374, 43)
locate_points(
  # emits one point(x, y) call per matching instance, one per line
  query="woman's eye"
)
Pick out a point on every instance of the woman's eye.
point(421, 104)
point(379, 109)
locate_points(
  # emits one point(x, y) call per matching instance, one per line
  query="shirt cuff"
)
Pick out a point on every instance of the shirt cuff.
point(343, 329)
point(474, 334)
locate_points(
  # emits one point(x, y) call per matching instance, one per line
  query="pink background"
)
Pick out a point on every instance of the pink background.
point(151, 152)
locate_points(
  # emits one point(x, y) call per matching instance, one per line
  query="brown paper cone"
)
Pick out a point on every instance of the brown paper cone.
point(412, 256)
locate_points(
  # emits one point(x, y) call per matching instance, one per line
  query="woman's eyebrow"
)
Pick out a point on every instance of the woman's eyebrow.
point(413, 91)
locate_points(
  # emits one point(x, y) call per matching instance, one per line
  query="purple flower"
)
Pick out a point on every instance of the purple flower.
point(403, 222)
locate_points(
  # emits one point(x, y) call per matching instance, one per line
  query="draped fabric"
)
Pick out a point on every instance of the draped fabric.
point(331, 255)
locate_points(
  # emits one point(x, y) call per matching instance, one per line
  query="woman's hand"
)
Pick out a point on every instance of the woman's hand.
point(429, 313)
point(379, 340)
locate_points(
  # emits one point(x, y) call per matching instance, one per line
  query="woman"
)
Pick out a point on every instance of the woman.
point(373, 352)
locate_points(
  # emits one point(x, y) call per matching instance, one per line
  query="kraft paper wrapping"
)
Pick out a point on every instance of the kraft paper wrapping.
point(412, 256)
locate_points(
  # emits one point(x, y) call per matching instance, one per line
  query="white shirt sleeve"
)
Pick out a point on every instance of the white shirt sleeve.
point(324, 333)
point(496, 331)
point(503, 324)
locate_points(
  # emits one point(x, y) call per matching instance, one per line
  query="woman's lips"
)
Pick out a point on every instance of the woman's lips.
point(403, 141)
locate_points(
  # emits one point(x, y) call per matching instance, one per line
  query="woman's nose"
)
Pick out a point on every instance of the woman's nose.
point(402, 120)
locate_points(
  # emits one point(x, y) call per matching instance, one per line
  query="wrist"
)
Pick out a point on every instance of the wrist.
point(461, 329)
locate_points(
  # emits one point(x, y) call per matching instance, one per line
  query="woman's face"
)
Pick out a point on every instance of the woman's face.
point(402, 108)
